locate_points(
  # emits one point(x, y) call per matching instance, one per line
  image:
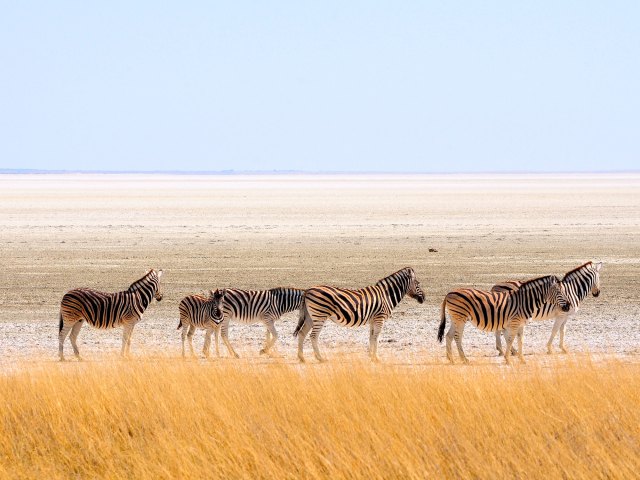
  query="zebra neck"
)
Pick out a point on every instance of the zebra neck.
point(396, 288)
point(579, 287)
point(144, 294)
point(528, 300)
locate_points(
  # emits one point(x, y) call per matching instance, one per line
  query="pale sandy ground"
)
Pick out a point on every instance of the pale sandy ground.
point(58, 232)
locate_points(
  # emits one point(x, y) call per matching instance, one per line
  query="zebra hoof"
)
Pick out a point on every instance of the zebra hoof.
point(500, 353)
point(263, 351)
point(62, 359)
point(564, 350)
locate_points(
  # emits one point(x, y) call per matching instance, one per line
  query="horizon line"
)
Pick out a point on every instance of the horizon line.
point(231, 172)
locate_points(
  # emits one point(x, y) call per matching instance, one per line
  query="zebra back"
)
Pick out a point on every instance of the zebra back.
point(286, 300)
point(531, 296)
point(508, 286)
point(252, 305)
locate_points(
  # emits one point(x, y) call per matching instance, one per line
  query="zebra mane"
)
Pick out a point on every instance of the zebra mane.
point(575, 271)
point(540, 281)
point(400, 274)
point(142, 281)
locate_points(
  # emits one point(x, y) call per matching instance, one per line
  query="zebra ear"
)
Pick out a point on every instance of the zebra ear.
point(159, 273)
point(219, 293)
point(211, 294)
point(598, 266)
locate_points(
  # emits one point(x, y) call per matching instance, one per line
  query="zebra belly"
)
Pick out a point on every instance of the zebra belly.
point(350, 322)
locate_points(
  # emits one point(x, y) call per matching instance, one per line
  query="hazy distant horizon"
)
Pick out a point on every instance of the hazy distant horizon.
point(27, 171)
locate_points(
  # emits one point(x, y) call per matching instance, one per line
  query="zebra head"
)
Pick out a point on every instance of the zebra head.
point(595, 287)
point(557, 295)
point(415, 290)
point(216, 298)
point(158, 293)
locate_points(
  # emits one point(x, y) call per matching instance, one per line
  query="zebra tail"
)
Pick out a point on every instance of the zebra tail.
point(443, 320)
point(179, 324)
point(61, 322)
point(303, 312)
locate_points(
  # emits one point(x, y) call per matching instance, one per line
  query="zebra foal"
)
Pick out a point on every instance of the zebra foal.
point(494, 311)
point(197, 311)
point(352, 308)
point(107, 310)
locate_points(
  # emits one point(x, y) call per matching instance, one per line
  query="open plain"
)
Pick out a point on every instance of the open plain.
point(413, 416)
point(59, 232)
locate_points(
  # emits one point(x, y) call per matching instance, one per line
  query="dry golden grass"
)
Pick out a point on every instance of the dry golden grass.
point(160, 418)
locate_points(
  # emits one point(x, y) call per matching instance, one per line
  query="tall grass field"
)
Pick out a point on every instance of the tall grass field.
point(161, 418)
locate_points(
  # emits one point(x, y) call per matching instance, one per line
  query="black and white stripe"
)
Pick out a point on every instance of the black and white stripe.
point(495, 311)
point(205, 312)
point(252, 306)
point(107, 310)
point(352, 308)
point(576, 285)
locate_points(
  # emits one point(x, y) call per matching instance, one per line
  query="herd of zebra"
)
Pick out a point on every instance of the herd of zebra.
point(503, 310)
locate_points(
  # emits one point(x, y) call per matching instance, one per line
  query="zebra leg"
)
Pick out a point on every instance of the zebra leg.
point(192, 330)
point(216, 329)
point(458, 337)
point(127, 329)
point(564, 324)
point(302, 334)
point(74, 336)
point(64, 331)
point(185, 330)
point(556, 326)
point(450, 335)
point(315, 332)
point(272, 336)
point(129, 338)
point(374, 333)
point(225, 337)
point(265, 349)
point(510, 337)
point(499, 343)
point(207, 342)
point(520, 337)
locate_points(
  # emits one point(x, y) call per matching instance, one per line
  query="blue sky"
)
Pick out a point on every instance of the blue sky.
point(320, 86)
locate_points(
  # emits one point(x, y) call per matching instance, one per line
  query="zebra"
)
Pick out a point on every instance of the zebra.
point(107, 310)
point(576, 284)
point(251, 306)
point(197, 311)
point(491, 311)
point(353, 308)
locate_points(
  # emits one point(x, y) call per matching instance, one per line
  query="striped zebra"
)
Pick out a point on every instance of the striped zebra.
point(197, 311)
point(492, 311)
point(352, 308)
point(252, 306)
point(576, 284)
point(107, 310)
